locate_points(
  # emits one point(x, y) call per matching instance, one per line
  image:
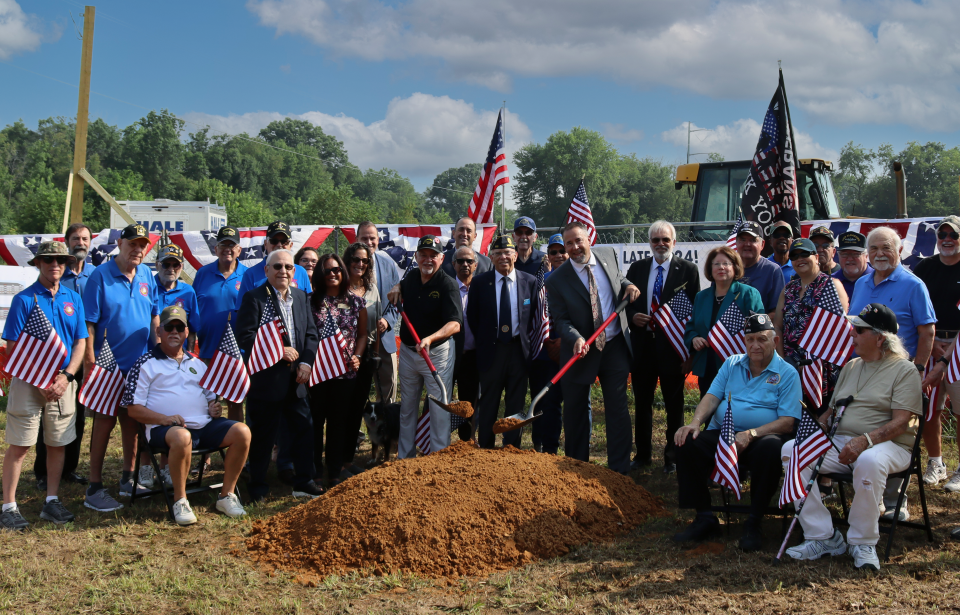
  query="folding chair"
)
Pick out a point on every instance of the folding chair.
point(914, 469)
point(193, 486)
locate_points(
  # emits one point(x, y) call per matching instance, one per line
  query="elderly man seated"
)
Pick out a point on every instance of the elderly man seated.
point(765, 404)
point(163, 392)
point(875, 435)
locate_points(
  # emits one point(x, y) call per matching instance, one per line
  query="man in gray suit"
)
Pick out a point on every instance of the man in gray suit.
point(583, 292)
point(387, 275)
point(464, 234)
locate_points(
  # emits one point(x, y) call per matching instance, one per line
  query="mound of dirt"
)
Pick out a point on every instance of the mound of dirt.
point(462, 511)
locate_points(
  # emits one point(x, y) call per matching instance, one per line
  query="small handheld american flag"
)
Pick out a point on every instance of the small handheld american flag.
point(726, 335)
point(732, 239)
point(828, 333)
point(935, 391)
point(329, 363)
point(809, 445)
point(492, 175)
point(39, 352)
point(268, 345)
point(811, 377)
point(101, 392)
point(541, 329)
point(725, 471)
point(672, 317)
point(423, 429)
point(226, 375)
point(579, 211)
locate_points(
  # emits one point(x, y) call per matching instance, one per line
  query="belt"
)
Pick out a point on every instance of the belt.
point(946, 335)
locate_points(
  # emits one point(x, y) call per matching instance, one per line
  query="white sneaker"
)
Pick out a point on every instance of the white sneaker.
point(165, 475)
point(230, 506)
point(935, 473)
point(145, 477)
point(864, 557)
point(815, 549)
point(953, 485)
point(182, 512)
point(888, 514)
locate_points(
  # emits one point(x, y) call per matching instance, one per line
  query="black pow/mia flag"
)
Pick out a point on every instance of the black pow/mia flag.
point(770, 192)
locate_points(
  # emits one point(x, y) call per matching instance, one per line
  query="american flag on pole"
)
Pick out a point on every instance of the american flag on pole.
point(492, 176)
point(672, 317)
point(725, 471)
point(935, 391)
point(726, 335)
point(541, 329)
point(579, 211)
point(423, 430)
point(811, 377)
point(39, 353)
point(808, 446)
point(268, 345)
point(828, 332)
point(732, 239)
point(226, 375)
point(101, 392)
point(329, 363)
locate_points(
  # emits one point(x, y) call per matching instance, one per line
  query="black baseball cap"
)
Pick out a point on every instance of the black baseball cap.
point(876, 316)
point(429, 242)
point(278, 227)
point(755, 323)
point(852, 240)
point(228, 233)
point(751, 228)
point(134, 231)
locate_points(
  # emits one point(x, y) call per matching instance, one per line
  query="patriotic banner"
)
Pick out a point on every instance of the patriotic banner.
point(423, 430)
point(541, 328)
point(672, 317)
point(39, 351)
point(918, 235)
point(268, 345)
point(200, 247)
point(726, 335)
point(808, 446)
point(329, 362)
point(811, 377)
point(20, 249)
point(725, 470)
point(579, 211)
point(492, 175)
point(101, 392)
point(226, 375)
point(400, 240)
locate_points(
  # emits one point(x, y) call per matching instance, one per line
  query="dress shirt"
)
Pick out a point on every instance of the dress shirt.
point(512, 299)
point(468, 343)
point(652, 280)
point(286, 312)
point(604, 292)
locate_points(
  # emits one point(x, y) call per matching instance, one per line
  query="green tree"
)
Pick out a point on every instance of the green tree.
point(242, 209)
point(153, 149)
point(452, 190)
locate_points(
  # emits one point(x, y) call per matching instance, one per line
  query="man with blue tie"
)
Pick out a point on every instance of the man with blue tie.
point(502, 306)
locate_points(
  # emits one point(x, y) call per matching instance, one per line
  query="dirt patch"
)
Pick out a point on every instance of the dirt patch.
point(502, 425)
point(704, 548)
point(462, 511)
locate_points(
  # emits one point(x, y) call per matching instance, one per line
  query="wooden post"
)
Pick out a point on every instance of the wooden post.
point(83, 109)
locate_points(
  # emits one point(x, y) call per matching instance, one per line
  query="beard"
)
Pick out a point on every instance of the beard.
point(80, 253)
point(882, 264)
point(580, 258)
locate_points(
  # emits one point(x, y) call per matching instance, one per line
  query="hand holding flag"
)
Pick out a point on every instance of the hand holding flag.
point(725, 470)
point(39, 352)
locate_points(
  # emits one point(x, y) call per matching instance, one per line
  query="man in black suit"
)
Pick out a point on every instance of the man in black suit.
point(282, 387)
point(502, 306)
point(464, 234)
point(583, 292)
point(465, 373)
point(659, 279)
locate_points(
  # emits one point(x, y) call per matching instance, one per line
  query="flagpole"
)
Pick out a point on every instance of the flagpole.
point(503, 187)
point(783, 88)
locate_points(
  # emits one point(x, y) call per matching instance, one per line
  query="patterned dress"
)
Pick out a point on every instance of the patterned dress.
point(346, 313)
point(798, 307)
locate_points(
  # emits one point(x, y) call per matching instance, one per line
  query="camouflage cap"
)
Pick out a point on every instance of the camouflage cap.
point(953, 221)
point(53, 248)
point(170, 251)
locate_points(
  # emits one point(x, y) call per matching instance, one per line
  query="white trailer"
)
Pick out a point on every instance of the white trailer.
point(161, 215)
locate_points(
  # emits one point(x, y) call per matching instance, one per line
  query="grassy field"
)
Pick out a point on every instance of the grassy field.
point(135, 561)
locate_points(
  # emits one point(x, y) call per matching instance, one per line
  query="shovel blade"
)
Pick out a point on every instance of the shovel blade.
point(462, 409)
point(513, 422)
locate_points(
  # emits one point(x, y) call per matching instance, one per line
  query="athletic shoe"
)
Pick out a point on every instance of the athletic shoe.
point(56, 512)
point(701, 529)
point(145, 477)
point(126, 488)
point(182, 513)
point(101, 501)
point(309, 490)
point(953, 485)
point(864, 557)
point(230, 506)
point(815, 549)
point(888, 514)
point(12, 520)
point(165, 475)
point(935, 473)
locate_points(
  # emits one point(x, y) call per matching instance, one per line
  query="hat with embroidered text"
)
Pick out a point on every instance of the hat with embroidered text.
point(876, 316)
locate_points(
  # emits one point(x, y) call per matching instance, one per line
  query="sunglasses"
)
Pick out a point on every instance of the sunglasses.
point(171, 326)
point(279, 266)
point(357, 259)
point(60, 260)
point(465, 261)
point(333, 270)
point(781, 235)
point(523, 231)
point(171, 264)
point(862, 330)
point(795, 256)
point(945, 235)
point(279, 240)
point(557, 252)
point(659, 240)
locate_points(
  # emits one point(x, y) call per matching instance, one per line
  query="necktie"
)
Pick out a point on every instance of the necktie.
point(504, 334)
point(595, 306)
point(657, 291)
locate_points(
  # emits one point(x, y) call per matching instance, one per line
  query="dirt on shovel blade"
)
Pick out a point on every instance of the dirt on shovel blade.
point(461, 408)
point(462, 511)
point(506, 424)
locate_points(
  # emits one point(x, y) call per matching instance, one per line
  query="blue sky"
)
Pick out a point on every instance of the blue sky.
point(415, 85)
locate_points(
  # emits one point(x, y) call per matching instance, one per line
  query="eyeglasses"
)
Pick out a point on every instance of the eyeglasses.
point(721, 265)
point(333, 270)
point(944, 235)
point(60, 260)
point(523, 231)
point(279, 240)
point(660, 240)
point(357, 259)
point(465, 261)
point(557, 252)
point(171, 264)
point(171, 326)
point(279, 266)
point(795, 256)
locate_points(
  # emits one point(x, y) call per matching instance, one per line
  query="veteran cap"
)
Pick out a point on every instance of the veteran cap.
point(525, 221)
point(277, 228)
point(779, 224)
point(555, 239)
point(751, 228)
point(134, 231)
point(228, 233)
point(852, 240)
point(803, 244)
point(503, 242)
point(953, 221)
point(53, 248)
point(429, 242)
point(755, 323)
point(172, 313)
point(876, 316)
point(170, 251)
point(822, 231)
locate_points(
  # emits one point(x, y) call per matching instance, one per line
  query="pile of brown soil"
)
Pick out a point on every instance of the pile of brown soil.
point(462, 511)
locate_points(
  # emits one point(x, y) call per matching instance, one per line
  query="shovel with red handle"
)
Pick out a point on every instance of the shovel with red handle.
point(423, 351)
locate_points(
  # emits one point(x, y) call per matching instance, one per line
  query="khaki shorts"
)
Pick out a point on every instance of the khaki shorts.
point(27, 406)
point(953, 390)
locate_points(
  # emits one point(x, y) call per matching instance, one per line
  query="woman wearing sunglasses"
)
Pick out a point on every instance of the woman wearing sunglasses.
point(330, 400)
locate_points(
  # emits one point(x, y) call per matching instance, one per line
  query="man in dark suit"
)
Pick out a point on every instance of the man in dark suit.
point(465, 373)
point(281, 388)
point(583, 292)
point(659, 279)
point(464, 234)
point(502, 306)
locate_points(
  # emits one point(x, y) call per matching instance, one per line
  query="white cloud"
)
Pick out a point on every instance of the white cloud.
point(738, 141)
point(420, 136)
point(19, 32)
point(845, 61)
point(619, 132)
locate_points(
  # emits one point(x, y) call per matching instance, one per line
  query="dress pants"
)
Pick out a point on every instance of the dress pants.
point(263, 418)
point(71, 452)
point(696, 460)
point(359, 395)
point(506, 376)
point(546, 429)
point(388, 374)
point(413, 376)
point(870, 472)
point(655, 359)
point(330, 404)
point(467, 377)
point(613, 371)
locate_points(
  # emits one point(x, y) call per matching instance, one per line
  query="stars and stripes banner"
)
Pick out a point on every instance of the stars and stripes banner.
point(918, 235)
point(672, 317)
point(101, 392)
point(268, 345)
point(953, 370)
point(492, 176)
point(725, 470)
point(732, 239)
point(200, 247)
point(226, 375)
point(828, 333)
point(541, 327)
point(423, 430)
point(811, 378)
point(39, 352)
point(935, 391)
point(579, 211)
point(726, 335)
point(400, 240)
point(808, 446)
point(20, 249)
point(329, 362)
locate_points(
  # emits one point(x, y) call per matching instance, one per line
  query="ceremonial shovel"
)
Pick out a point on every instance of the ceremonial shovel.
point(423, 351)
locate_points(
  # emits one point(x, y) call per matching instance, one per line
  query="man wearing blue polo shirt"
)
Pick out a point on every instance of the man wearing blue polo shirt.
point(278, 238)
point(217, 286)
point(28, 406)
point(120, 302)
point(781, 236)
point(171, 290)
point(78, 238)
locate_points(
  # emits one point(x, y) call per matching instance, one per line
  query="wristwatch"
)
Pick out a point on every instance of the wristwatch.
point(944, 360)
point(69, 376)
point(919, 367)
point(753, 433)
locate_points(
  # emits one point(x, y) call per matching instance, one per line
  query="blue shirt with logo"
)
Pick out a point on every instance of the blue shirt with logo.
point(255, 276)
point(64, 311)
point(756, 401)
point(77, 281)
point(905, 294)
point(217, 297)
point(124, 308)
point(182, 296)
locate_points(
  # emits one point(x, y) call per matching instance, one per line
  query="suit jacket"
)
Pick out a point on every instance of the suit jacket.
point(273, 383)
point(482, 313)
point(682, 276)
point(747, 299)
point(573, 316)
point(388, 274)
point(484, 264)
